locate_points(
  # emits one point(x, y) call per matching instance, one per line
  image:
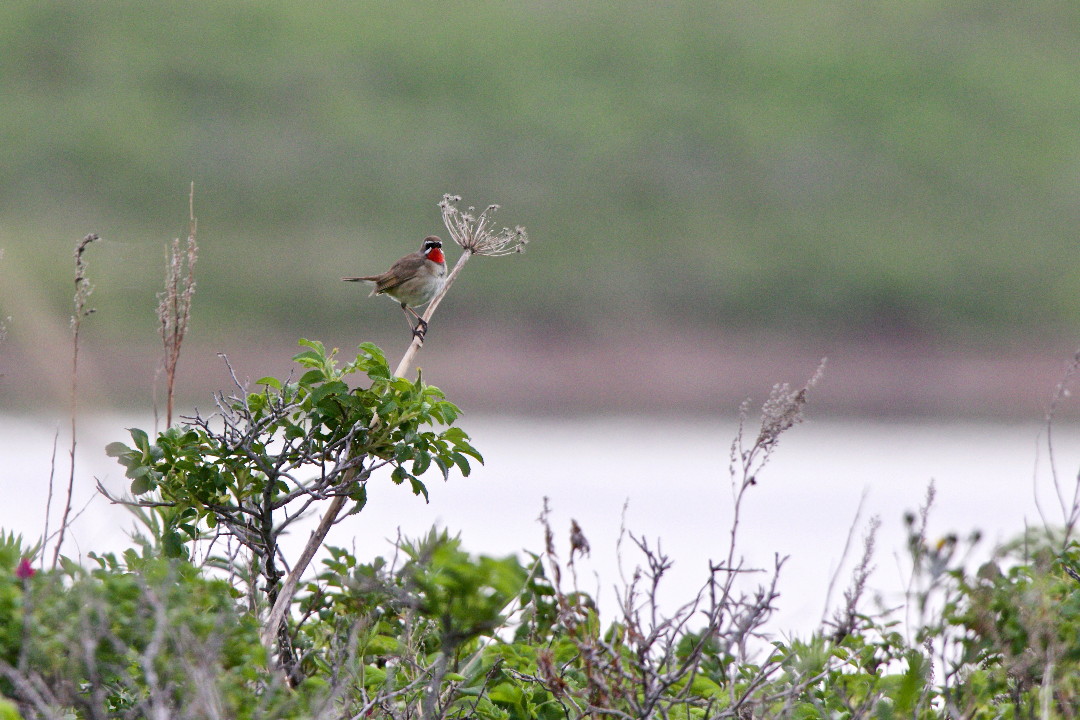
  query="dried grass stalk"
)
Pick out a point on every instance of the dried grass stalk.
point(174, 304)
point(83, 290)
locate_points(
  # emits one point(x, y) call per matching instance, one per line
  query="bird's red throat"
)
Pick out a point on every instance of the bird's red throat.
point(435, 255)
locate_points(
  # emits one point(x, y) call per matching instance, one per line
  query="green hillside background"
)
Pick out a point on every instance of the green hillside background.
point(694, 175)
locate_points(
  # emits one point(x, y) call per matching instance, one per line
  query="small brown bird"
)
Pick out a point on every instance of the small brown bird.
point(413, 280)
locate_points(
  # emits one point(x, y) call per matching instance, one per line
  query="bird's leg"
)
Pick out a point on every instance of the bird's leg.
point(420, 330)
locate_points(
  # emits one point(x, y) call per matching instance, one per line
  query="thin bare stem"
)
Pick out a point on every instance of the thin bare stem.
point(843, 555)
point(83, 288)
point(1070, 508)
point(49, 497)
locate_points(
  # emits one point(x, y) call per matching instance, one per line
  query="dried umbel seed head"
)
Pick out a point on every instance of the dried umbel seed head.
point(474, 233)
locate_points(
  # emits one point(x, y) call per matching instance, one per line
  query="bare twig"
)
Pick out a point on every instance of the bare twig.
point(780, 412)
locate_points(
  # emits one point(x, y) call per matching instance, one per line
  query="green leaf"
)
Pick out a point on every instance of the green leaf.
point(464, 447)
point(312, 377)
point(402, 385)
point(913, 681)
point(8, 711)
point(136, 470)
point(270, 381)
point(378, 372)
point(506, 694)
point(117, 449)
point(360, 498)
point(399, 475)
point(335, 386)
point(373, 351)
point(69, 566)
point(448, 412)
point(317, 347)
point(381, 645)
point(142, 441)
point(461, 462)
point(140, 485)
point(455, 434)
point(173, 544)
point(418, 487)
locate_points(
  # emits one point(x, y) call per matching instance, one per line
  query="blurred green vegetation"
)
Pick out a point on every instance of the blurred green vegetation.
point(826, 166)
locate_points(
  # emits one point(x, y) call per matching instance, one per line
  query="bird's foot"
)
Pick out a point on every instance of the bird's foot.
point(420, 331)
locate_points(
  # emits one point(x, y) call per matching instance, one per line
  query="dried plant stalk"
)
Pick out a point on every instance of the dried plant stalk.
point(1070, 507)
point(174, 304)
point(83, 289)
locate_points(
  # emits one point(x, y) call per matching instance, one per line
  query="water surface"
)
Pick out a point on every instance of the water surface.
point(672, 478)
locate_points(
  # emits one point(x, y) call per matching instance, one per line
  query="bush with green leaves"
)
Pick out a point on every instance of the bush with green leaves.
point(1013, 628)
point(134, 636)
point(415, 635)
point(177, 627)
point(266, 457)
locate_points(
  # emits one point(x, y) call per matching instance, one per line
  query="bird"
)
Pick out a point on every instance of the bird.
point(413, 280)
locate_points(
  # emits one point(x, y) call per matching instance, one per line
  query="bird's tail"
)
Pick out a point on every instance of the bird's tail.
point(369, 278)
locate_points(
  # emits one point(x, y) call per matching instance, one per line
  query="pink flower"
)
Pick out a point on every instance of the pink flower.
point(25, 570)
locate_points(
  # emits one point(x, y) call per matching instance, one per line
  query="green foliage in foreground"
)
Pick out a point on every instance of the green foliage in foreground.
point(176, 626)
point(462, 636)
point(241, 468)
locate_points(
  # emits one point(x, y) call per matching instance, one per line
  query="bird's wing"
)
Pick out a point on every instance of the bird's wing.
point(402, 270)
